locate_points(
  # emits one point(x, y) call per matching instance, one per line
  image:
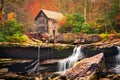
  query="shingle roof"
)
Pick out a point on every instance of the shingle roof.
point(52, 14)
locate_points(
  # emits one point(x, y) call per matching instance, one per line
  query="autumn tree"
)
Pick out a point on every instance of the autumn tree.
point(11, 16)
point(8, 5)
point(1, 9)
point(12, 31)
point(68, 6)
point(113, 15)
point(71, 21)
point(32, 8)
point(74, 23)
point(19, 8)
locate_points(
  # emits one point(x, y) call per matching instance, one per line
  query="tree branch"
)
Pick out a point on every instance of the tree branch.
point(2, 4)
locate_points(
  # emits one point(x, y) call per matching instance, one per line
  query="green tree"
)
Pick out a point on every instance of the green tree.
point(12, 27)
point(19, 8)
point(71, 21)
point(75, 23)
point(11, 31)
point(107, 16)
point(114, 11)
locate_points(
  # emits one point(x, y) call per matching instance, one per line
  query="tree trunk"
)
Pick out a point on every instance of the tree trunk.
point(1, 9)
point(85, 10)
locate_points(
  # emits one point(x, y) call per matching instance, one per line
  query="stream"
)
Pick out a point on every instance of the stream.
point(32, 68)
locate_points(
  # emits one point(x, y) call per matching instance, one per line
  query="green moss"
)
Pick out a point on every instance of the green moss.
point(61, 47)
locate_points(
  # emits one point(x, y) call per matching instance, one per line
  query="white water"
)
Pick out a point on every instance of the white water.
point(117, 68)
point(35, 66)
point(68, 62)
point(118, 56)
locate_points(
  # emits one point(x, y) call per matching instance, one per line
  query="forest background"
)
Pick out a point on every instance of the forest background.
point(81, 16)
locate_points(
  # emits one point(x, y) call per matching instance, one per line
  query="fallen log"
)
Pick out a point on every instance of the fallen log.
point(85, 69)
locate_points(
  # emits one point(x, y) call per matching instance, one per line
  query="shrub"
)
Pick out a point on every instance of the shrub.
point(13, 31)
point(12, 27)
point(2, 39)
point(75, 23)
point(104, 36)
point(17, 38)
point(71, 22)
point(87, 28)
point(118, 35)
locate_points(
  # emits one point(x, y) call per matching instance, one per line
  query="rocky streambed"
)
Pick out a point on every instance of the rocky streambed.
point(13, 69)
point(78, 71)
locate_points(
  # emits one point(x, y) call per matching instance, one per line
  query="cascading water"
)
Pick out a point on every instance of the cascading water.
point(68, 62)
point(35, 65)
point(118, 56)
point(117, 68)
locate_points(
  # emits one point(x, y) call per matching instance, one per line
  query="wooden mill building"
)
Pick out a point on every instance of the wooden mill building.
point(46, 21)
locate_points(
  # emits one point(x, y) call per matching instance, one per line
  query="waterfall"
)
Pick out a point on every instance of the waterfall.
point(39, 54)
point(68, 62)
point(117, 66)
point(35, 66)
point(118, 56)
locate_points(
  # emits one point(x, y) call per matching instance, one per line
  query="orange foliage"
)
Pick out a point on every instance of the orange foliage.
point(48, 5)
point(11, 16)
point(34, 6)
point(118, 16)
point(118, 19)
point(61, 22)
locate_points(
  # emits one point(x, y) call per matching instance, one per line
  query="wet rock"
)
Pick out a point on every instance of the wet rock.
point(104, 79)
point(85, 69)
point(2, 79)
point(113, 76)
point(94, 38)
point(54, 77)
point(77, 38)
point(36, 78)
point(86, 39)
point(3, 70)
point(81, 41)
point(13, 76)
point(65, 38)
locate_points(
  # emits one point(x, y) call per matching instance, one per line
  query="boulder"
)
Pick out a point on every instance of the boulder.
point(77, 38)
point(85, 69)
point(94, 38)
point(65, 38)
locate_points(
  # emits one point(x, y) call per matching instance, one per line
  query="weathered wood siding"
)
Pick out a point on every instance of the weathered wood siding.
point(45, 24)
point(52, 26)
point(42, 23)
